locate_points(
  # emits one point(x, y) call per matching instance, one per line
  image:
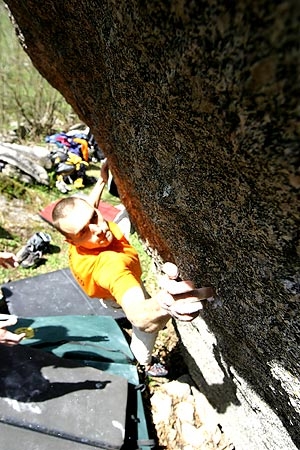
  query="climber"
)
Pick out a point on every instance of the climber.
point(106, 266)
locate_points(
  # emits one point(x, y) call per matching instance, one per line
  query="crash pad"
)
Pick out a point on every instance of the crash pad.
point(95, 338)
point(54, 293)
point(108, 211)
point(49, 370)
point(11, 436)
point(58, 397)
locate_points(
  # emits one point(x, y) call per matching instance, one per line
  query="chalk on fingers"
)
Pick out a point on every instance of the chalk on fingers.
point(171, 270)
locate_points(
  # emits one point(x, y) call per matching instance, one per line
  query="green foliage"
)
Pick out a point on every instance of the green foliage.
point(29, 104)
point(11, 188)
point(149, 276)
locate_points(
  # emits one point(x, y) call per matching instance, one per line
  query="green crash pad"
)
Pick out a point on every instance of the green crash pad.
point(72, 383)
point(96, 338)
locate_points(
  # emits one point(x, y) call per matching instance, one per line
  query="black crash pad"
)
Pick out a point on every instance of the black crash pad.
point(54, 294)
point(56, 398)
point(12, 436)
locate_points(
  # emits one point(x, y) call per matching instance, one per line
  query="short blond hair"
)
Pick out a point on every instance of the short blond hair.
point(63, 208)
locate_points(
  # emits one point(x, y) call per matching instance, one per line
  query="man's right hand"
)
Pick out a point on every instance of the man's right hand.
point(180, 298)
point(8, 260)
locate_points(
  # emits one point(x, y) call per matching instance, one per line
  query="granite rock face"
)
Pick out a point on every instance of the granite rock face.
point(196, 106)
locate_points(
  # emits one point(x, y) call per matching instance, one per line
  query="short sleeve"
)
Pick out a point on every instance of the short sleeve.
point(116, 275)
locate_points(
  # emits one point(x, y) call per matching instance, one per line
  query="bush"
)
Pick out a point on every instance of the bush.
point(30, 107)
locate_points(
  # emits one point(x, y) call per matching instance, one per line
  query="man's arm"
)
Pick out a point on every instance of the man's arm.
point(145, 314)
point(95, 195)
point(178, 299)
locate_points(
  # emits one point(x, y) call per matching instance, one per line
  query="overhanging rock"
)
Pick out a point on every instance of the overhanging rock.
point(196, 106)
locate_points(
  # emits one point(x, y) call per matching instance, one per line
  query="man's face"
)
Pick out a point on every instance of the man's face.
point(85, 227)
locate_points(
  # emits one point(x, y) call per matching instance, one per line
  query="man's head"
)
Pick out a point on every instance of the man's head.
point(81, 224)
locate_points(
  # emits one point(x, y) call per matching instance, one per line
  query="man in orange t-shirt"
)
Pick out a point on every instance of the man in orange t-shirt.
point(107, 274)
point(106, 266)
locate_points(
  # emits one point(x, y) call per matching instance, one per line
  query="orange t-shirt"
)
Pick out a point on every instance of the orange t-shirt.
point(106, 272)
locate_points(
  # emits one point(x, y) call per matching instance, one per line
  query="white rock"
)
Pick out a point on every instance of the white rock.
point(176, 389)
point(185, 412)
point(193, 436)
point(161, 407)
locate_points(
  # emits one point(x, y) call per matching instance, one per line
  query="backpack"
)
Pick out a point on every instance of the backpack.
point(32, 252)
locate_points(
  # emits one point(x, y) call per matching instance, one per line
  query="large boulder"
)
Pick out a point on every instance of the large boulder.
point(196, 106)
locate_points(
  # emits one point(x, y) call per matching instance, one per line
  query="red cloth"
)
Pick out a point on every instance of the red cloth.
point(108, 211)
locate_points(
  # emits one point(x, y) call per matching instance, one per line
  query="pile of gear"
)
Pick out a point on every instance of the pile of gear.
point(67, 156)
point(31, 254)
point(71, 156)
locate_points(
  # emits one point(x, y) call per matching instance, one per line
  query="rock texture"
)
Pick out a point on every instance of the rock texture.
point(196, 106)
point(185, 420)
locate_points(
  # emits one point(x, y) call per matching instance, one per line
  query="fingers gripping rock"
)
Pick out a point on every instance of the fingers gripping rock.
point(171, 270)
point(175, 287)
point(180, 297)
